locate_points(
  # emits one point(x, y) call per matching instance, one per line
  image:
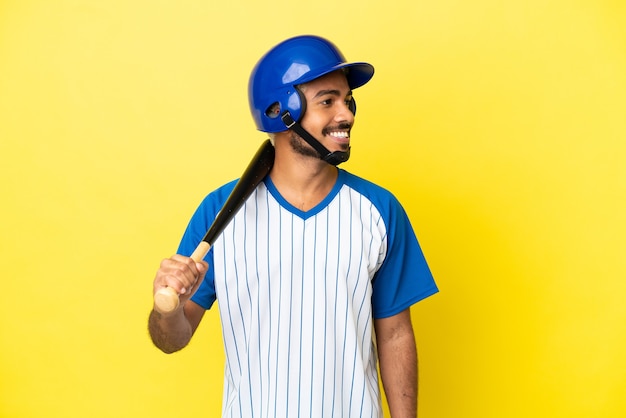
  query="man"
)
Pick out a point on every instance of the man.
point(316, 274)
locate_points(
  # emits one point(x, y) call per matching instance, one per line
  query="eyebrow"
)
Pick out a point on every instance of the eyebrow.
point(332, 92)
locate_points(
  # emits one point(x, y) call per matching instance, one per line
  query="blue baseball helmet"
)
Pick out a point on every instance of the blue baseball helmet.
point(272, 88)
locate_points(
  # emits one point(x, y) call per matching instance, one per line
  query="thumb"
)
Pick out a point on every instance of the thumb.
point(202, 267)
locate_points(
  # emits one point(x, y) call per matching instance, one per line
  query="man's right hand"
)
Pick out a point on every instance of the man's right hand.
point(182, 274)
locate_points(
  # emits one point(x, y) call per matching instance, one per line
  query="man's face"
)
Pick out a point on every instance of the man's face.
point(327, 117)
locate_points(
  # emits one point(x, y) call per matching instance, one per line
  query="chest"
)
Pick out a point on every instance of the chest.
point(268, 251)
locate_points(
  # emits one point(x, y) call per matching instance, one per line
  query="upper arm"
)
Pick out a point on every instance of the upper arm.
point(394, 327)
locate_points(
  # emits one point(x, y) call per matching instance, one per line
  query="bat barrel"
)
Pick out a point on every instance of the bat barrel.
point(262, 163)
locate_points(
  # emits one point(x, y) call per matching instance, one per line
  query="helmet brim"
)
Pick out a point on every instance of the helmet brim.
point(357, 73)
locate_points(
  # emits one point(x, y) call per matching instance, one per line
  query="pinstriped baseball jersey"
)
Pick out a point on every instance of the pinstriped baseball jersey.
point(298, 291)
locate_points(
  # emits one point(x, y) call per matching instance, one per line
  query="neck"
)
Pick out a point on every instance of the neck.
point(301, 180)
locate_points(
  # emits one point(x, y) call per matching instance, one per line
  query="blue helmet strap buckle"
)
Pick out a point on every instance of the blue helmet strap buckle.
point(333, 158)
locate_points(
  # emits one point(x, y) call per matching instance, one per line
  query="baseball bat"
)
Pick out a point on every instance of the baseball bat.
point(166, 298)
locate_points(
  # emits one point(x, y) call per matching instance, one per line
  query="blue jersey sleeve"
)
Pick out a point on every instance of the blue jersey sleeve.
point(404, 277)
point(196, 230)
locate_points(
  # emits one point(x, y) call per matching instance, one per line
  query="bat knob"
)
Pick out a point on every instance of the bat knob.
point(166, 300)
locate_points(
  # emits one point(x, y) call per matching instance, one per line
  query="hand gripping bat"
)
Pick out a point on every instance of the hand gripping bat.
point(166, 298)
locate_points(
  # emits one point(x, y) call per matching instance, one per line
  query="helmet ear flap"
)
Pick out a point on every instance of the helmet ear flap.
point(301, 104)
point(295, 106)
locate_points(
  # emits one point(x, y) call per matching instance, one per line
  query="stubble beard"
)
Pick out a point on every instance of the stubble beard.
point(300, 146)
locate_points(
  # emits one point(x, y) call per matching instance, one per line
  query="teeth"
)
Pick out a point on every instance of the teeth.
point(339, 134)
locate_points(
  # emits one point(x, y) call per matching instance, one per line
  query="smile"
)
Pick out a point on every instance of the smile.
point(339, 134)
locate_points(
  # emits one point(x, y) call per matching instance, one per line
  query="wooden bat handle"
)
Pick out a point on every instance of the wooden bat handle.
point(166, 299)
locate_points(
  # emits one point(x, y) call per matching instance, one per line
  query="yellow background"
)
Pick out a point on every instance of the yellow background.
point(500, 125)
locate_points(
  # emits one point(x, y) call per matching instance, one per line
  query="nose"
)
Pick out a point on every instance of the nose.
point(344, 113)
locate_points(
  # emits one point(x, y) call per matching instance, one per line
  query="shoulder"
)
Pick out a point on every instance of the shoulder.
point(362, 185)
point(380, 197)
point(209, 206)
point(217, 197)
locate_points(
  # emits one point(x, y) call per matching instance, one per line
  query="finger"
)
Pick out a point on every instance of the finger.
point(202, 268)
point(177, 274)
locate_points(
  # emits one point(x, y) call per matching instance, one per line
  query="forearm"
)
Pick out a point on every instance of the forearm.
point(170, 332)
point(397, 355)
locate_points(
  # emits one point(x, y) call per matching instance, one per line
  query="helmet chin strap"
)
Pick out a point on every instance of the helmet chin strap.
point(334, 158)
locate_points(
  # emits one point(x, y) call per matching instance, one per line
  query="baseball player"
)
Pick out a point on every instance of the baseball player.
point(315, 275)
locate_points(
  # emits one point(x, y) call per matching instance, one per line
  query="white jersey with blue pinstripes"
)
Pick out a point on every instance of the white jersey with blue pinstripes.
point(298, 291)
